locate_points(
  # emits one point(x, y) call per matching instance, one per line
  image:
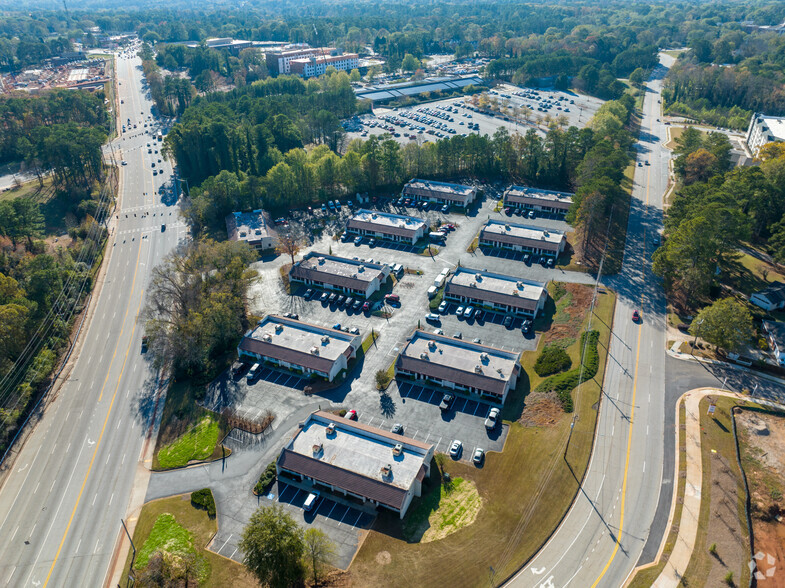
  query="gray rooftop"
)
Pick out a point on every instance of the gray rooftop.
point(392, 221)
point(304, 338)
point(521, 231)
point(248, 226)
point(444, 187)
point(359, 449)
point(341, 267)
point(497, 283)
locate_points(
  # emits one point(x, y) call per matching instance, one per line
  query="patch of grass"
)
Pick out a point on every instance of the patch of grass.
point(172, 539)
point(178, 434)
point(444, 510)
point(222, 572)
point(552, 360)
point(748, 274)
point(526, 489)
point(717, 437)
point(196, 444)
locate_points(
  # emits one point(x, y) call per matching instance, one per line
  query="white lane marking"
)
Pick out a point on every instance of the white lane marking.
point(235, 551)
point(96, 545)
point(53, 486)
point(20, 488)
point(108, 457)
point(644, 466)
point(225, 542)
point(94, 497)
point(111, 498)
point(36, 487)
point(118, 423)
point(14, 535)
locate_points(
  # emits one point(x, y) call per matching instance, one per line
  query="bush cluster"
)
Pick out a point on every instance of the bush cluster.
point(563, 384)
point(266, 479)
point(204, 499)
point(552, 360)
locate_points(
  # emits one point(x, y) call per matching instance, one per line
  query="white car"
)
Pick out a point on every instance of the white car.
point(456, 447)
point(311, 500)
point(432, 317)
point(492, 420)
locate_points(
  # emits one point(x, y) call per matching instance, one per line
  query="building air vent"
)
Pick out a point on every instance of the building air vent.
point(325, 339)
point(387, 471)
point(398, 449)
point(330, 429)
point(478, 369)
point(278, 328)
point(317, 448)
point(484, 356)
point(478, 277)
point(432, 345)
point(320, 260)
point(360, 269)
point(520, 285)
point(423, 355)
point(500, 372)
point(267, 337)
point(314, 350)
point(546, 233)
point(507, 227)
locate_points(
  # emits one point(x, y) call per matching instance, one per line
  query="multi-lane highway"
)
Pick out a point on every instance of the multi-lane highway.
point(601, 538)
point(61, 505)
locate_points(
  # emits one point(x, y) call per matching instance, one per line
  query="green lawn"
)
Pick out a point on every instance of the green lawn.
point(187, 429)
point(175, 525)
point(525, 490)
point(197, 444)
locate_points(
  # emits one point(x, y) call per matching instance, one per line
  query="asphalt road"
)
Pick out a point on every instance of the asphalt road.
point(601, 538)
point(61, 505)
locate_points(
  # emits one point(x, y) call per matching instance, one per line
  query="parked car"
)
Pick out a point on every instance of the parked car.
point(456, 448)
point(291, 315)
point(432, 317)
point(443, 306)
point(341, 300)
point(457, 335)
point(354, 331)
point(492, 419)
point(352, 415)
point(308, 294)
point(447, 402)
point(324, 297)
point(438, 332)
point(372, 242)
point(332, 297)
point(531, 214)
point(366, 306)
point(479, 314)
point(337, 326)
point(446, 208)
point(253, 373)
point(508, 321)
point(311, 501)
point(478, 456)
point(526, 327)
point(357, 305)
point(349, 302)
point(459, 311)
point(468, 312)
point(392, 298)
point(397, 429)
point(358, 240)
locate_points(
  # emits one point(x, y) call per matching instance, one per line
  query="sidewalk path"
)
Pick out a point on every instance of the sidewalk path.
point(677, 563)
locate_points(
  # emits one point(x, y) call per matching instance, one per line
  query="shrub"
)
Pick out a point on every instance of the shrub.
point(564, 383)
point(729, 579)
point(342, 412)
point(552, 360)
point(266, 479)
point(382, 379)
point(204, 499)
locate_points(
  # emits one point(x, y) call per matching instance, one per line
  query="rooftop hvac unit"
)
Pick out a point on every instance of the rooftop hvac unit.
point(278, 328)
point(387, 471)
point(478, 369)
point(330, 429)
point(477, 277)
point(506, 227)
point(373, 215)
point(325, 339)
point(520, 284)
point(423, 355)
point(314, 350)
point(320, 260)
point(484, 356)
point(398, 449)
point(317, 448)
point(546, 233)
point(258, 231)
point(267, 337)
point(500, 371)
point(360, 268)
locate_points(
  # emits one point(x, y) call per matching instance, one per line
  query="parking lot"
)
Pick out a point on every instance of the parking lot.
point(334, 516)
point(489, 329)
point(524, 109)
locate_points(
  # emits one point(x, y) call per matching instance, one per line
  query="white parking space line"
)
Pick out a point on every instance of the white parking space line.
point(332, 509)
point(348, 510)
point(479, 406)
point(225, 542)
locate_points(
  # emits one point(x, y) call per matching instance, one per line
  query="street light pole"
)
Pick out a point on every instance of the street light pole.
point(694, 341)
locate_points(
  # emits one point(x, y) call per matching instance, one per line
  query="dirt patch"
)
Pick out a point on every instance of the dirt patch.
point(571, 308)
point(763, 456)
point(457, 509)
point(542, 409)
point(383, 558)
point(406, 284)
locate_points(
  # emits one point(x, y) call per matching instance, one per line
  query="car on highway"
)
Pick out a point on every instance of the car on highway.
point(125, 162)
point(456, 448)
point(447, 402)
point(144, 344)
point(478, 456)
point(352, 415)
point(492, 420)
point(636, 316)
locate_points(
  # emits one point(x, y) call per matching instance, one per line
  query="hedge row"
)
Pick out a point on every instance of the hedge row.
point(204, 499)
point(266, 479)
point(564, 384)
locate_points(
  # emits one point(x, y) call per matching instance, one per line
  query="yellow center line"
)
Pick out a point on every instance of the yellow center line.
point(106, 421)
point(632, 419)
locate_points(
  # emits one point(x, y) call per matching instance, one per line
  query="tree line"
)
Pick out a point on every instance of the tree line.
point(716, 211)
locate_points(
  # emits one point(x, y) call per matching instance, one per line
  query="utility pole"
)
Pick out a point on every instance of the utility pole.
point(131, 580)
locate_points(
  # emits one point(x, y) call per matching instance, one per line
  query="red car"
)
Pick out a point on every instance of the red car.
point(392, 298)
point(352, 415)
point(367, 306)
point(635, 316)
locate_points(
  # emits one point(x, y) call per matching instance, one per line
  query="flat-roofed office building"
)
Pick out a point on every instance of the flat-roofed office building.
point(346, 457)
point(497, 292)
point(527, 198)
point(521, 237)
point(346, 275)
point(459, 365)
point(304, 348)
point(383, 225)
point(441, 192)
point(252, 227)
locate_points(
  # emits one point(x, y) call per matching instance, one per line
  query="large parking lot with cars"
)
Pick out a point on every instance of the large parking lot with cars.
point(524, 108)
